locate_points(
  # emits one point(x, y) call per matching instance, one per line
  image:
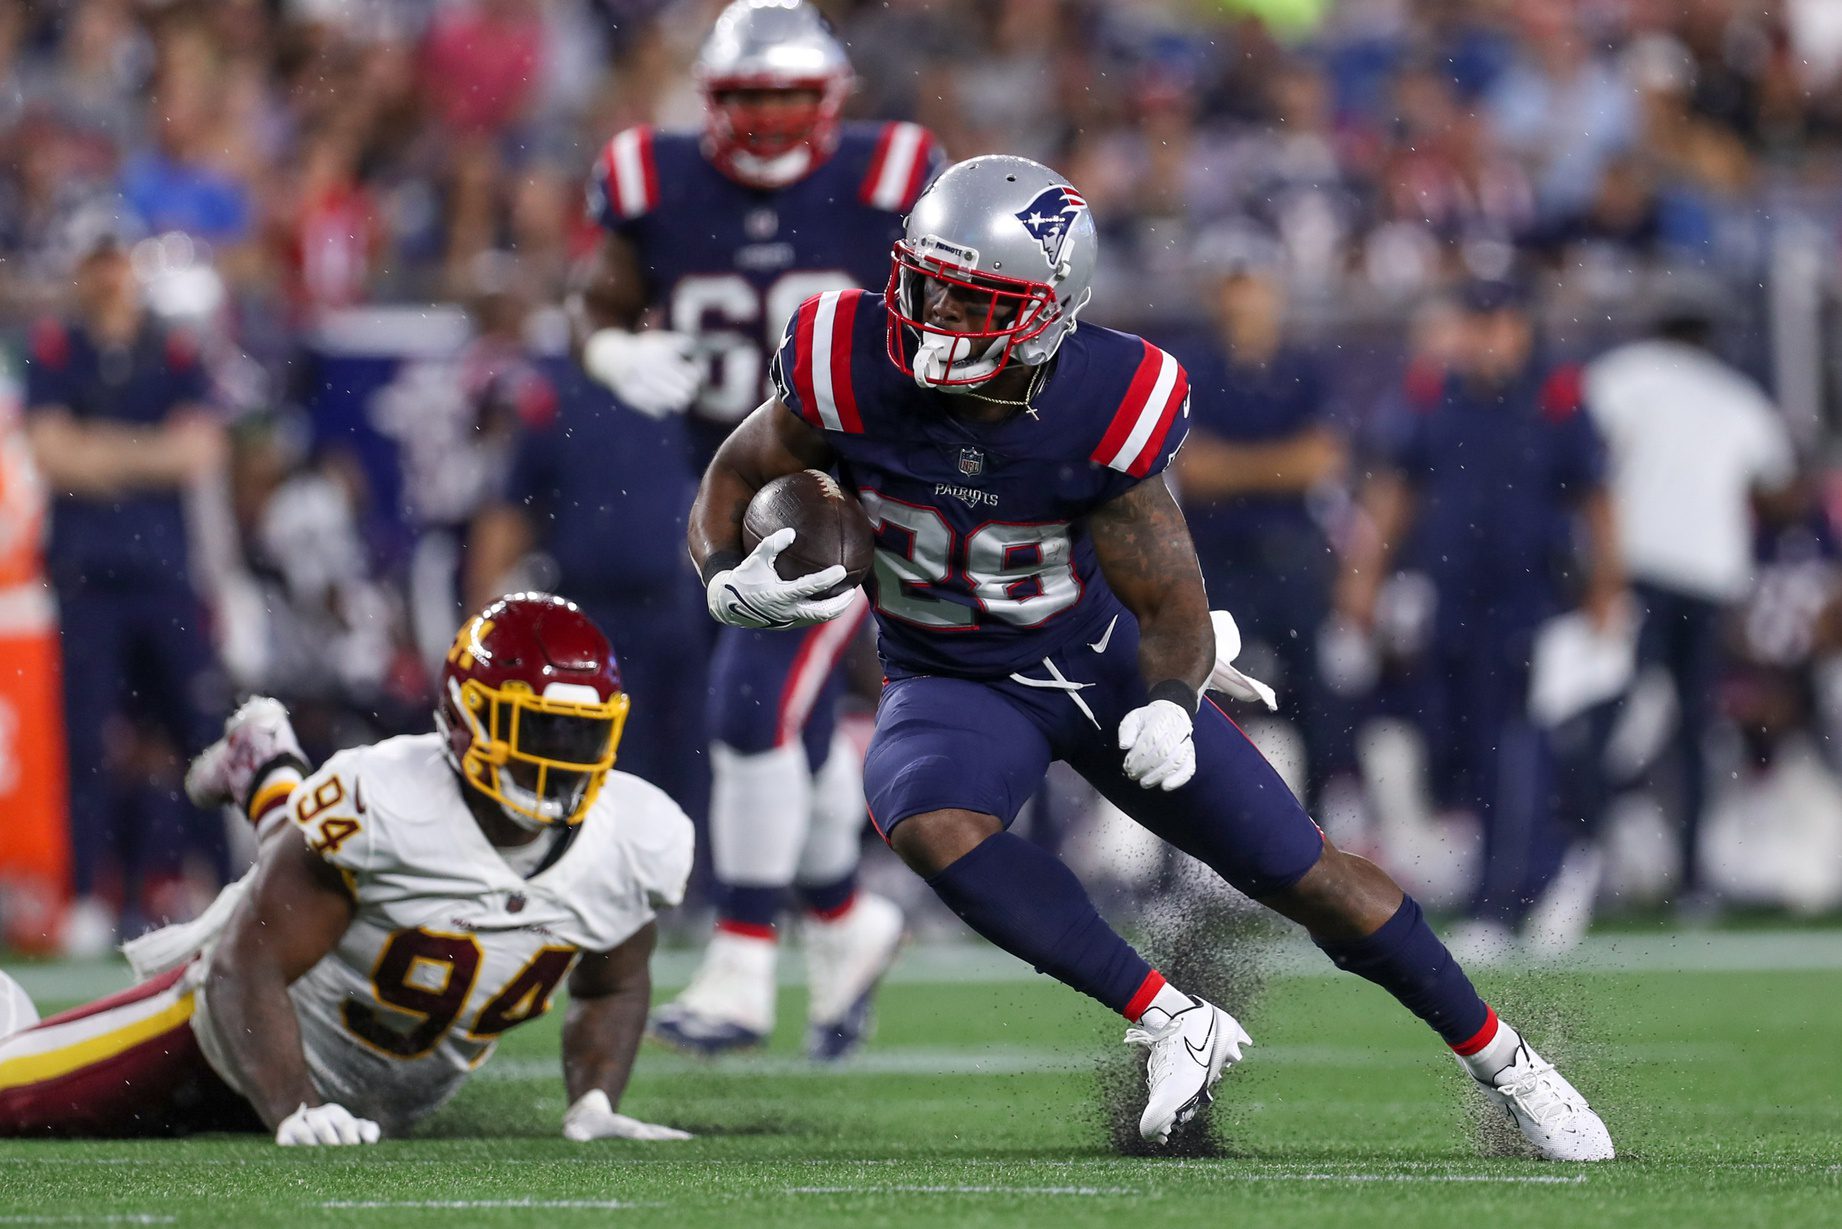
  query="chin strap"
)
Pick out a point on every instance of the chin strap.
point(775, 172)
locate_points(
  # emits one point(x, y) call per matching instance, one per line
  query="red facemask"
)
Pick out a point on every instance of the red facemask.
point(769, 145)
point(992, 316)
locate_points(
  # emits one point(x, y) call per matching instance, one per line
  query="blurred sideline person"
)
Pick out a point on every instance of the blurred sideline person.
point(1259, 446)
point(718, 237)
point(412, 901)
point(1076, 629)
point(1693, 444)
point(119, 419)
point(1488, 468)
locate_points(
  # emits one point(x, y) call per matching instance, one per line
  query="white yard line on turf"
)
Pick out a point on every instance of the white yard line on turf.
point(124, 1218)
point(1529, 1180)
point(1018, 1060)
point(470, 1205)
point(1763, 951)
point(906, 1189)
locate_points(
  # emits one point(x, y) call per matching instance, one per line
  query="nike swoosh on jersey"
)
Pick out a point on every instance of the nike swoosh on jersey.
point(1106, 638)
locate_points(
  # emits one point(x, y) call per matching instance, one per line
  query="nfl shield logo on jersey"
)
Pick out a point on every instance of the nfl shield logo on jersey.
point(971, 462)
point(1049, 216)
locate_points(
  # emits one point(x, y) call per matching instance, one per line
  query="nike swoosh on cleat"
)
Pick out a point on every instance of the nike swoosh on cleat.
point(1099, 646)
point(1202, 1055)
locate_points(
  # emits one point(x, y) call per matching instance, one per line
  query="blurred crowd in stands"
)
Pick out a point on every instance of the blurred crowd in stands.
point(354, 221)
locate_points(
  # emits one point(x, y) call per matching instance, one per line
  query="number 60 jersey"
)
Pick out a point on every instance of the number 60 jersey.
point(450, 946)
point(726, 263)
point(983, 562)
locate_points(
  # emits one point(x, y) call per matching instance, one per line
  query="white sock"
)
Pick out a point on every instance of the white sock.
point(760, 807)
point(833, 840)
point(1497, 1054)
point(1166, 1003)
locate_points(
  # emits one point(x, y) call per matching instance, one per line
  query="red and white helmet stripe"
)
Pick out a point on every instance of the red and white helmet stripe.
point(898, 168)
point(822, 360)
point(628, 170)
point(1158, 390)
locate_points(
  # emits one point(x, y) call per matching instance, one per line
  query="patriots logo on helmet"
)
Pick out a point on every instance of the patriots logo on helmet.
point(1050, 217)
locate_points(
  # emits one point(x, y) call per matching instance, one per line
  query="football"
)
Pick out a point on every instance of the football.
point(830, 526)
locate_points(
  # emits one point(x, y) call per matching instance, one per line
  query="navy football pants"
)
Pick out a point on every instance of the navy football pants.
point(983, 745)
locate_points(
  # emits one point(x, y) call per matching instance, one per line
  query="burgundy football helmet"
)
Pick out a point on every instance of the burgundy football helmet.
point(531, 708)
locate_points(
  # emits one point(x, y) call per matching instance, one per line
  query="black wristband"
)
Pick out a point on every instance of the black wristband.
point(719, 561)
point(287, 759)
point(1179, 693)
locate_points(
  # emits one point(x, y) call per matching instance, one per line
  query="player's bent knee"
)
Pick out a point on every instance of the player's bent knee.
point(934, 840)
point(1342, 896)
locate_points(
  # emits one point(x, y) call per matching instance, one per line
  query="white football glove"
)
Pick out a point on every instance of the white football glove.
point(752, 594)
point(318, 1125)
point(1160, 750)
point(651, 370)
point(593, 1117)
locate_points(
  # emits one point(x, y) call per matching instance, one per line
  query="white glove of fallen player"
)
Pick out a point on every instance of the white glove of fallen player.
point(752, 594)
point(1160, 750)
point(1224, 677)
point(313, 1126)
point(593, 1117)
point(651, 370)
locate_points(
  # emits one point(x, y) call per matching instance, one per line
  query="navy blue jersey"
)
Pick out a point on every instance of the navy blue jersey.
point(1250, 404)
point(136, 538)
point(608, 490)
point(1498, 474)
point(984, 565)
point(727, 264)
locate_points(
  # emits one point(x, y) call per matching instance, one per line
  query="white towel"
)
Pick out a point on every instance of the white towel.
point(1225, 678)
point(157, 951)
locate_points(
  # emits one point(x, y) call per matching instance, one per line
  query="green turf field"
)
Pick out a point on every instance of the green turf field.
point(981, 1103)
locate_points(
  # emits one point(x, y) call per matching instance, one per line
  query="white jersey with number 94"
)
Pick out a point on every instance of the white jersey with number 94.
point(450, 946)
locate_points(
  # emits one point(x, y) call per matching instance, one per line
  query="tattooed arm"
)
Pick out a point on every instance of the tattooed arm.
point(1147, 557)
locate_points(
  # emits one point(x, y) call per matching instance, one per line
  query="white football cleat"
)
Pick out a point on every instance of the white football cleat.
point(1550, 1112)
point(845, 959)
point(1188, 1056)
point(17, 1012)
point(729, 1004)
point(255, 737)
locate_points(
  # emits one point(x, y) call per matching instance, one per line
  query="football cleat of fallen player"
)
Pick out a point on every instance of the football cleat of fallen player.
point(846, 957)
point(412, 901)
point(1187, 1054)
point(258, 738)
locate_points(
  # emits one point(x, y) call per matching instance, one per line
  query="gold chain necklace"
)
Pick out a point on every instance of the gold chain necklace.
point(1029, 393)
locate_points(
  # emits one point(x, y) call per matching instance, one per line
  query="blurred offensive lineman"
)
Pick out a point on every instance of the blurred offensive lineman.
point(1038, 598)
point(411, 901)
point(722, 236)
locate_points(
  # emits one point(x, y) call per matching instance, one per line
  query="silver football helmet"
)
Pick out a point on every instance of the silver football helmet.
point(1009, 236)
point(779, 45)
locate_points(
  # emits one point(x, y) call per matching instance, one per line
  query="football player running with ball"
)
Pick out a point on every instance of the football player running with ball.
point(719, 236)
point(411, 901)
point(1038, 598)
